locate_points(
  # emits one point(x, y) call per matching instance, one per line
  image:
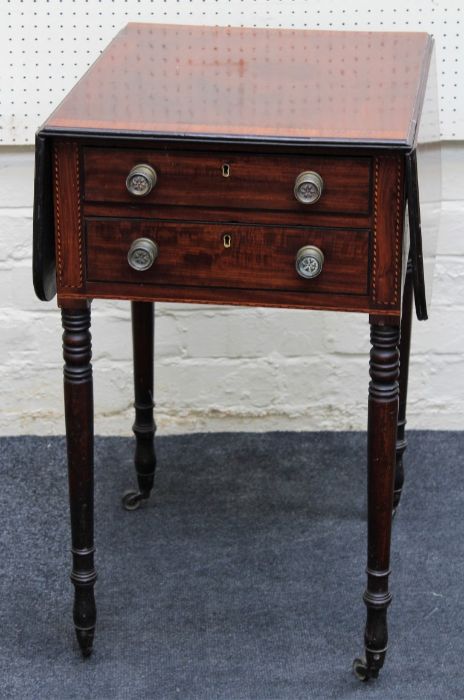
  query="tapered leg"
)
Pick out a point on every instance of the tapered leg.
point(405, 345)
point(381, 444)
point(144, 426)
point(78, 401)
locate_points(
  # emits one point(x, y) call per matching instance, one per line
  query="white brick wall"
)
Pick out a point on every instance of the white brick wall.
point(221, 368)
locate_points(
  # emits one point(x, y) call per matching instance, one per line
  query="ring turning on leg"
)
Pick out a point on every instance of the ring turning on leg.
point(144, 426)
point(381, 444)
point(78, 398)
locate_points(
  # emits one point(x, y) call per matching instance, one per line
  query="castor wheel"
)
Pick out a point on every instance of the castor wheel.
point(131, 500)
point(362, 671)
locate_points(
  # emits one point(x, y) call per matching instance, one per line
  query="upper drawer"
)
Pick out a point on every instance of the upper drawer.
point(228, 180)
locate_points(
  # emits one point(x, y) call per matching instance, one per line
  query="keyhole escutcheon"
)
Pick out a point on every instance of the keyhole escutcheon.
point(227, 240)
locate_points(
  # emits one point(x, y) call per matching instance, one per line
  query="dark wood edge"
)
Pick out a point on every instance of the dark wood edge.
point(64, 132)
point(242, 145)
point(415, 232)
point(43, 237)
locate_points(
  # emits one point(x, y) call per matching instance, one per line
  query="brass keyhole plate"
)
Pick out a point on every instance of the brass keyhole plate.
point(227, 240)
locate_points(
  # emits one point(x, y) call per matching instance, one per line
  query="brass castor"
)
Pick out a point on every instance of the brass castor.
point(362, 671)
point(131, 500)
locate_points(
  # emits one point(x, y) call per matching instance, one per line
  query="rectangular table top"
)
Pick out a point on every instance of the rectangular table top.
point(263, 84)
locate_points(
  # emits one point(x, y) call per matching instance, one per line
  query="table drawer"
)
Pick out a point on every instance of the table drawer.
point(228, 180)
point(233, 256)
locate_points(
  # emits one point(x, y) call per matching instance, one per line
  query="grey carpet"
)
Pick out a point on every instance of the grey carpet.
point(241, 579)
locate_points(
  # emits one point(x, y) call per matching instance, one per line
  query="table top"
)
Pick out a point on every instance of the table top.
point(261, 84)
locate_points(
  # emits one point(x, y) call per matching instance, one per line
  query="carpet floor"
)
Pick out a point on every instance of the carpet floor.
point(241, 579)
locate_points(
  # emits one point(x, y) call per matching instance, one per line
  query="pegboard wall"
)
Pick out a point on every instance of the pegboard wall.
point(46, 45)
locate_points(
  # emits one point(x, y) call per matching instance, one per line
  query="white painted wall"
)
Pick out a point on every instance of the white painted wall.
point(218, 368)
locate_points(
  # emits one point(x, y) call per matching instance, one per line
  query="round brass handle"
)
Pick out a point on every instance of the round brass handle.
point(141, 180)
point(142, 254)
point(309, 261)
point(308, 187)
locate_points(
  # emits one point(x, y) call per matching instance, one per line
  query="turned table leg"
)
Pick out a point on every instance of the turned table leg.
point(381, 444)
point(405, 345)
point(78, 402)
point(144, 426)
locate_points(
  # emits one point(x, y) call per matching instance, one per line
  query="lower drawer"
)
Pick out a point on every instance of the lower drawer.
point(227, 255)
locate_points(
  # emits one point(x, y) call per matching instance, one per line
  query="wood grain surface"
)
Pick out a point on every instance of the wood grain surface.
point(364, 251)
point(255, 83)
point(259, 257)
point(253, 181)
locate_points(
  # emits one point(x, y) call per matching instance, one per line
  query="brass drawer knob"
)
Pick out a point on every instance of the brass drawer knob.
point(141, 180)
point(309, 261)
point(308, 187)
point(142, 254)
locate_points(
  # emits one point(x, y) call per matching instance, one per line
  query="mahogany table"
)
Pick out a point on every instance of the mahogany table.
point(239, 166)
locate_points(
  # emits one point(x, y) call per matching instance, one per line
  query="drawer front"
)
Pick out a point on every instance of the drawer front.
point(229, 180)
point(232, 256)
